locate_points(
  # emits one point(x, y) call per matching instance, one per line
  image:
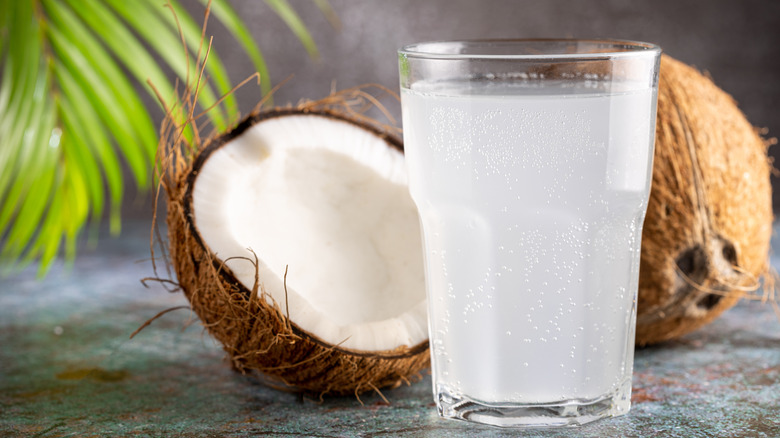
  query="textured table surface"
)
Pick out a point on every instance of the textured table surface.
point(67, 368)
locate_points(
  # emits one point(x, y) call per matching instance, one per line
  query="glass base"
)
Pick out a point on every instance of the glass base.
point(566, 413)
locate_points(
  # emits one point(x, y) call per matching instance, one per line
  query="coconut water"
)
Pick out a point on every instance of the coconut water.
point(531, 198)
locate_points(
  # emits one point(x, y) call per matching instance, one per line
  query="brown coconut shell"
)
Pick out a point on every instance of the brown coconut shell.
point(255, 333)
point(706, 236)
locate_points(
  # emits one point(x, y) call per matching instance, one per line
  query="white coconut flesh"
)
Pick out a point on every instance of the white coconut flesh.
point(329, 200)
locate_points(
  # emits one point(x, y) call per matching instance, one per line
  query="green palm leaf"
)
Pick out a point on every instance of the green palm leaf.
point(71, 113)
point(293, 21)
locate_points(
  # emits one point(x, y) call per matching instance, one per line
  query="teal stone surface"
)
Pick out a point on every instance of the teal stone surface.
point(68, 368)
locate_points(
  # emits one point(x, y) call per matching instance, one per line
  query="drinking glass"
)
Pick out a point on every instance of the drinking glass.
point(530, 165)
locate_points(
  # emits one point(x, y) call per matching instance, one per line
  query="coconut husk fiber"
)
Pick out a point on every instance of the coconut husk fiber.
point(252, 328)
point(706, 236)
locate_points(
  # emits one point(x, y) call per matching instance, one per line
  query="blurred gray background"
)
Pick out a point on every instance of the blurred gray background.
point(736, 42)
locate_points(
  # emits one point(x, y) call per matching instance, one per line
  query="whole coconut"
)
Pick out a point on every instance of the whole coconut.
point(709, 219)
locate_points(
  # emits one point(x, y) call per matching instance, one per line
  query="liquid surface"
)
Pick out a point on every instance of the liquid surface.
point(531, 202)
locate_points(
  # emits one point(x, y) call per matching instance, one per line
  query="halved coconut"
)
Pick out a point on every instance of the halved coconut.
point(297, 243)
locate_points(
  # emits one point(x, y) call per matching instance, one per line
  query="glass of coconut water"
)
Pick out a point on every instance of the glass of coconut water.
point(530, 164)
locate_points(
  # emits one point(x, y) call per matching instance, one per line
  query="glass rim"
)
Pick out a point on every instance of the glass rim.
point(626, 48)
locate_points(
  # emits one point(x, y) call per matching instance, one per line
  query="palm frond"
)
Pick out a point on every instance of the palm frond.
point(71, 113)
point(294, 22)
point(192, 33)
point(109, 91)
point(330, 14)
point(166, 42)
point(222, 10)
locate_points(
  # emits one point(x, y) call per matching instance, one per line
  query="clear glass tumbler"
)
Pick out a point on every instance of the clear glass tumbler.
point(530, 164)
